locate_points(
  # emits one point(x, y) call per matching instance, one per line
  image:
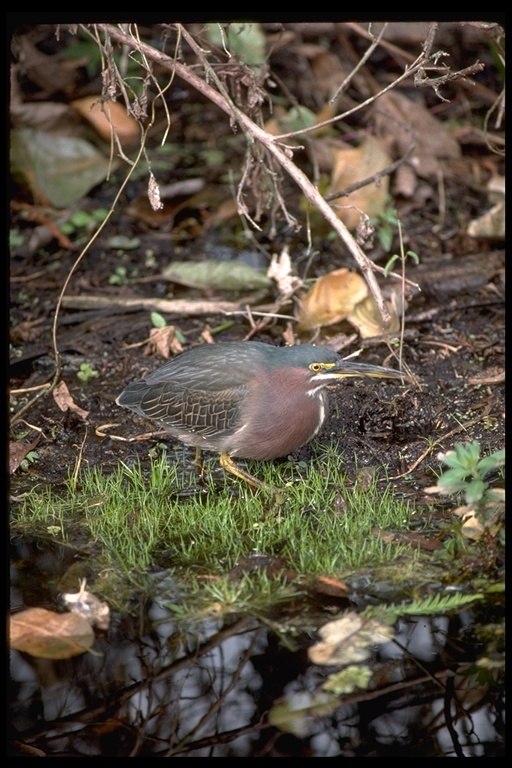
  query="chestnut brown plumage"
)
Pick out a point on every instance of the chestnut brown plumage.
point(244, 399)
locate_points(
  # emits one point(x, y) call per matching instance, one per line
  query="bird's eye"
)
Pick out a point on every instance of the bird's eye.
point(315, 367)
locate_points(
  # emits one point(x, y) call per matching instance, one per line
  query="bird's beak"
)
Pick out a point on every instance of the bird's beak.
point(354, 369)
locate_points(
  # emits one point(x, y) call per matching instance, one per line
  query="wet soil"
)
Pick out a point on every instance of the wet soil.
point(454, 346)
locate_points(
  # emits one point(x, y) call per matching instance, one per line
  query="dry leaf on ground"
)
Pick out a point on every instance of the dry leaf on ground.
point(331, 299)
point(65, 402)
point(107, 117)
point(353, 165)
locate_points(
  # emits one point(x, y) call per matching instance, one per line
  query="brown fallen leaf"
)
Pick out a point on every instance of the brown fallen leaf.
point(396, 116)
point(367, 319)
point(326, 585)
point(18, 451)
point(331, 299)
point(87, 605)
point(49, 635)
point(162, 342)
point(108, 116)
point(491, 225)
point(65, 402)
point(352, 165)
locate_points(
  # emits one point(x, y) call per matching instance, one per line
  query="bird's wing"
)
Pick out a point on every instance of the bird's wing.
point(204, 412)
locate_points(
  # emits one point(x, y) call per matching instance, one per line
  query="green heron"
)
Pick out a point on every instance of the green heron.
point(244, 399)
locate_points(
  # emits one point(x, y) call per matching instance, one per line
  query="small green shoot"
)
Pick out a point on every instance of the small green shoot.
point(86, 373)
point(403, 256)
point(120, 276)
point(385, 224)
point(468, 474)
point(30, 458)
point(16, 238)
point(158, 320)
point(84, 221)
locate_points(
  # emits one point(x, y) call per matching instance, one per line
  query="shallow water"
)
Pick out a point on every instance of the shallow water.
point(152, 687)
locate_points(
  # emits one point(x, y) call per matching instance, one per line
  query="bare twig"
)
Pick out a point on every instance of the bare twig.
point(360, 63)
point(255, 133)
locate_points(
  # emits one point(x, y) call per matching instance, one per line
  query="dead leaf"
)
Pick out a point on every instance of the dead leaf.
point(163, 342)
point(280, 270)
point(50, 116)
point(352, 165)
point(18, 451)
point(433, 141)
point(326, 585)
point(349, 640)
point(328, 70)
point(487, 521)
point(58, 169)
point(51, 72)
point(109, 116)
point(217, 275)
point(88, 606)
point(367, 319)
point(331, 299)
point(65, 402)
point(491, 225)
point(49, 635)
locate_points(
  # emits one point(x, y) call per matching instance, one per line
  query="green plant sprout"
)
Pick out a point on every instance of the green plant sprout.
point(468, 471)
point(86, 373)
point(83, 221)
point(384, 224)
point(387, 269)
point(468, 474)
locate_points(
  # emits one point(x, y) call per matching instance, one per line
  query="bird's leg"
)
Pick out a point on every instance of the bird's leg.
point(198, 461)
point(229, 465)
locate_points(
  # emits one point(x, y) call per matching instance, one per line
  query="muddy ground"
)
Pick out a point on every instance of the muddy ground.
point(454, 345)
point(454, 323)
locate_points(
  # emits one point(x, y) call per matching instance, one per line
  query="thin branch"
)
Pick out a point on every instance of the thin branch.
point(415, 67)
point(387, 171)
point(283, 156)
point(360, 63)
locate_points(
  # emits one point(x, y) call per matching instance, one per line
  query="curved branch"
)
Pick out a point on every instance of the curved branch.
point(282, 154)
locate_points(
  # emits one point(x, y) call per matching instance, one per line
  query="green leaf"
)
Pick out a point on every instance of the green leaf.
point(490, 463)
point(385, 235)
point(452, 481)
point(432, 605)
point(243, 40)
point(475, 491)
point(158, 320)
point(468, 453)
point(217, 275)
point(60, 168)
point(355, 676)
point(298, 711)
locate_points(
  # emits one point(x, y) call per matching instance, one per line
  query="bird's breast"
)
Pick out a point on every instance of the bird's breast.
point(275, 424)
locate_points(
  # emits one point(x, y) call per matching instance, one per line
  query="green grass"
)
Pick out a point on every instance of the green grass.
point(143, 521)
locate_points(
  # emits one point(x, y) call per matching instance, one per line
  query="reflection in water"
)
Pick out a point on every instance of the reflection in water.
point(151, 689)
